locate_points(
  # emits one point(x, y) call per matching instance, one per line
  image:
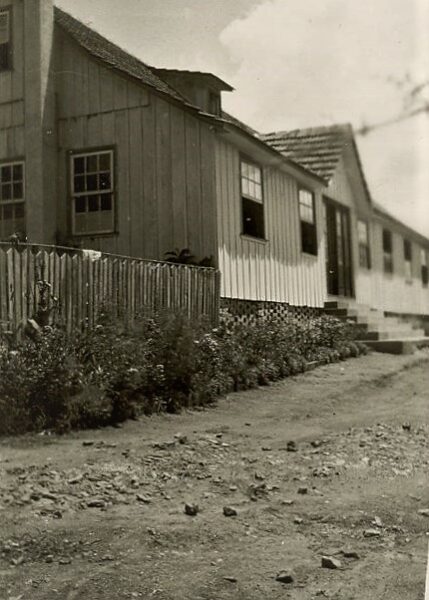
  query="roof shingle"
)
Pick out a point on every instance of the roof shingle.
point(318, 149)
point(117, 58)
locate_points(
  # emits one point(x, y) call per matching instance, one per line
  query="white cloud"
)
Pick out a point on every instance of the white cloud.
point(312, 62)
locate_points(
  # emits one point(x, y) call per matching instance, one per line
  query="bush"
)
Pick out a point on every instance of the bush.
point(160, 363)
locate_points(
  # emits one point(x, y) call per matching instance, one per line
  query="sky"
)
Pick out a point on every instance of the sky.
point(300, 63)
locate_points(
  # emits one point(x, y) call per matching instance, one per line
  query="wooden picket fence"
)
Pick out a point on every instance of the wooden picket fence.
point(82, 284)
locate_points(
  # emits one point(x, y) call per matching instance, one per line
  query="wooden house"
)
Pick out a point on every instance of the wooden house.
point(99, 150)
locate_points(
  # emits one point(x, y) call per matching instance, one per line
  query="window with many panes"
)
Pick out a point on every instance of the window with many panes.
point(92, 190)
point(12, 201)
point(408, 259)
point(424, 267)
point(364, 249)
point(252, 201)
point(387, 251)
point(307, 215)
point(5, 39)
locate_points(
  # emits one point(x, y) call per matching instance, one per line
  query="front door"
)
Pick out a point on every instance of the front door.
point(338, 249)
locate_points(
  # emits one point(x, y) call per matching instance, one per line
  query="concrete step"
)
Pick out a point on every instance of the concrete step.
point(404, 346)
point(388, 334)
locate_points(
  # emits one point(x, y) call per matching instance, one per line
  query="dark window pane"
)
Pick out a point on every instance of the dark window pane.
point(17, 173)
point(92, 203)
point(253, 218)
point(8, 212)
point(19, 211)
point(387, 241)
point(6, 193)
point(79, 165)
point(6, 174)
point(17, 191)
point(104, 162)
point(5, 57)
point(79, 184)
point(91, 164)
point(104, 181)
point(80, 204)
point(309, 238)
point(91, 183)
point(425, 275)
point(106, 202)
point(407, 250)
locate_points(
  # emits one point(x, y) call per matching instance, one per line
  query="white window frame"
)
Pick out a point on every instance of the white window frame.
point(257, 196)
point(408, 262)
point(111, 190)
point(363, 227)
point(13, 201)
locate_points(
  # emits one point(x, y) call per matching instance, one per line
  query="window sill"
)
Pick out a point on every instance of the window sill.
point(250, 238)
point(309, 255)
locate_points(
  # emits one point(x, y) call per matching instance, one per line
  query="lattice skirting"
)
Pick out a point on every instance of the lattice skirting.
point(246, 311)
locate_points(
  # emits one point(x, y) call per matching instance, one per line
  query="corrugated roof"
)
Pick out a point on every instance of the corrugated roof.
point(318, 149)
point(111, 54)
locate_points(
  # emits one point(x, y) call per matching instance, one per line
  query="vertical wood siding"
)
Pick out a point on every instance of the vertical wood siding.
point(272, 270)
point(164, 159)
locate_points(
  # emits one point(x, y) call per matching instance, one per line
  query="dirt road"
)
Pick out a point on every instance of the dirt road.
point(332, 463)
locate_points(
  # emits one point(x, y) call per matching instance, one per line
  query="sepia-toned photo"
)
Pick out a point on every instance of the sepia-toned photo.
point(214, 299)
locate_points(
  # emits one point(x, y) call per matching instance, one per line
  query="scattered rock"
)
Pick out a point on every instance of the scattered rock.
point(424, 512)
point(76, 479)
point(230, 578)
point(191, 510)
point(65, 561)
point(291, 447)
point(371, 533)
point(285, 577)
point(406, 426)
point(88, 443)
point(378, 522)
point(287, 502)
point(229, 511)
point(302, 490)
point(143, 498)
point(348, 553)
point(330, 563)
point(96, 503)
point(298, 521)
point(181, 438)
point(49, 558)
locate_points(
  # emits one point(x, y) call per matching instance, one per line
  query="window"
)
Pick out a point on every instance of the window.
point(307, 215)
point(252, 203)
point(5, 40)
point(214, 103)
point(424, 267)
point(408, 257)
point(363, 240)
point(387, 251)
point(12, 204)
point(92, 188)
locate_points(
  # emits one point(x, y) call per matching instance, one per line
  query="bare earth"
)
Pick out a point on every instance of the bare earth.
point(100, 514)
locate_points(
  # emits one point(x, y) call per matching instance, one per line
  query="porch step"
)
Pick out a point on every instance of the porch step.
point(384, 334)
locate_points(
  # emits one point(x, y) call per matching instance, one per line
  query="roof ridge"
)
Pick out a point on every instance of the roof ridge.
point(315, 130)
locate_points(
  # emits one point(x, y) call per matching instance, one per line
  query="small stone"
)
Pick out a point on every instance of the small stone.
point(378, 522)
point(406, 426)
point(371, 533)
point(424, 512)
point(96, 503)
point(49, 558)
point(291, 447)
point(230, 578)
point(302, 490)
point(285, 577)
point(144, 499)
point(17, 561)
point(259, 476)
point(330, 563)
point(65, 561)
point(181, 438)
point(191, 510)
point(229, 511)
point(266, 448)
point(287, 502)
point(348, 553)
point(298, 521)
point(233, 488)
point(88, 443)
point(74, 480)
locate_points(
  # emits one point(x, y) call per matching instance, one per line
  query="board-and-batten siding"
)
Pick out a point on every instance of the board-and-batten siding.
point(275, 270)
point(165, 181)
point(12, 91)
point(392, 292)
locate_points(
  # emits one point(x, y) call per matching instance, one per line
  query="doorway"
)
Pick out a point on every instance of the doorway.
point(339, 270)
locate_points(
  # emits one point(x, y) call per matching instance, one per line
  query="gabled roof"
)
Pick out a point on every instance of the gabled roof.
point(385, 215)
point(114, 56)
point(318, 149)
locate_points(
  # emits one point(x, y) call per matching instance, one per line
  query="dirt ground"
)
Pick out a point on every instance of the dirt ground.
point(332, 463)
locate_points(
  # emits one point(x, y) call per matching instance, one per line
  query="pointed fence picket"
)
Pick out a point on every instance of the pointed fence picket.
point(84, 284)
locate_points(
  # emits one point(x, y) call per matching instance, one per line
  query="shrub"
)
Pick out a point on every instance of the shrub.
point(165, 362)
